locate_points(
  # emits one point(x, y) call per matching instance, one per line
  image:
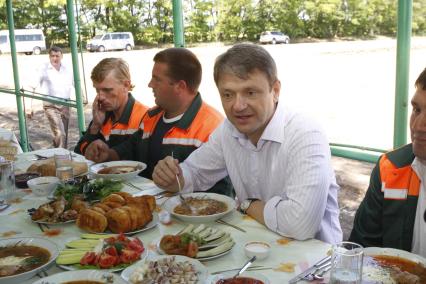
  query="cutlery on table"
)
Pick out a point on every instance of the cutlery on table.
point(251, 268)
point(182, 199)
point(310, 270)
point(248, 263)
point(220, 221)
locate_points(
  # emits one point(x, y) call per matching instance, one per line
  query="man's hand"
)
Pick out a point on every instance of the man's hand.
point(98, 116)
point(164, 175)
point(97, 151)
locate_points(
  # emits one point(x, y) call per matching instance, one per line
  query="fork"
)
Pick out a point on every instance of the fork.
point(182, 200)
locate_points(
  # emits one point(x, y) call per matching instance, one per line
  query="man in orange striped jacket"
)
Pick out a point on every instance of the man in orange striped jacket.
point(393, 212)
point(116, 113)
point(180, 123)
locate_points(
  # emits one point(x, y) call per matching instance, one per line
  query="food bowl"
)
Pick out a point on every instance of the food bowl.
point(29, 241)
point(117, 170)
point(245, 277)
point(259, 249)
point(22, 179)
point(172, 202)
point(43, 186)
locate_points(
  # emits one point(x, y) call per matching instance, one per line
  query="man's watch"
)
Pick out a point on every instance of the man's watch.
point(244, 206)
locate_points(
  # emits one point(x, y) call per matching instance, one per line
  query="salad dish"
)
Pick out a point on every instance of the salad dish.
point(117, 170)
point(175, 269)
point(201, 242)
point(203, 207)
point(112, 252)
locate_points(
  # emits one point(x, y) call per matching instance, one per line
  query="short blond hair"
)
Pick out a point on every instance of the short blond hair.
point(117, 65)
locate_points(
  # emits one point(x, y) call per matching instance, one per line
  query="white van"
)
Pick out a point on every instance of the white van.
point(30, 41)
point(111, 41)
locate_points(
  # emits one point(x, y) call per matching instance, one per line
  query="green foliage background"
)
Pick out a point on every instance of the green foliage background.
point(151, 21)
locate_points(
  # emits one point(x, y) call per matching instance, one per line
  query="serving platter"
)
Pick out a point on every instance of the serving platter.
point(202, 272)
point(150, 225)
point(139, 167)
point(32, 241)
point(172, 202)
point(88, 275)
point(161, 252)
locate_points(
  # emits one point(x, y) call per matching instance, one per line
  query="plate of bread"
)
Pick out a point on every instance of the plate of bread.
point(117, 170)
point(119, 212)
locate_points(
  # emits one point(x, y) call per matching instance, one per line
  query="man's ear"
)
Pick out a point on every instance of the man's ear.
point(127, 84)
point(181, 85)
point(276, 88)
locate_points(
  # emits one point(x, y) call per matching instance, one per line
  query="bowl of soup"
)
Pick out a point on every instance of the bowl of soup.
point(85, 276)
point(200, 207)
point(247, 277)
point(22, 258)
point(117, 170)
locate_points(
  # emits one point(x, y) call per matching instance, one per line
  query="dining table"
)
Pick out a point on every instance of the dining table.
point(287, 258)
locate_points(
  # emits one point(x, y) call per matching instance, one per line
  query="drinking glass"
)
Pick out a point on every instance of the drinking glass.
point(346, 263)
point(7, 180)
point(63, 164)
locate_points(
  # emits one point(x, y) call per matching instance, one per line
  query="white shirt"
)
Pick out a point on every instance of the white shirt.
point(289, 169)
point(419, 230)
point(57, 83)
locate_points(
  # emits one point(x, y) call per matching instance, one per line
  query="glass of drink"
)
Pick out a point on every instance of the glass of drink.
point(7, 180)
point(63, 164)
point(346, 263)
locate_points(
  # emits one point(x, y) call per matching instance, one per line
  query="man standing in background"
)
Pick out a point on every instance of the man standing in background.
point(56, 80)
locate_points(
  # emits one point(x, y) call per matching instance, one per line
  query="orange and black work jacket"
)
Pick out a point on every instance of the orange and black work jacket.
point(114, 133)
point(189, 133)
point(385, 218)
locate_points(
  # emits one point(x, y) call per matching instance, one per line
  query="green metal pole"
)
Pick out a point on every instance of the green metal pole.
point(405, 9)
point(19, 100)
point(178, 33)
point(74, 55)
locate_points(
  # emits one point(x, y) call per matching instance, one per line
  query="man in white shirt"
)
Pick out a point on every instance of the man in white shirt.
point(56, 80)
point(393, 212)
point(278, 160)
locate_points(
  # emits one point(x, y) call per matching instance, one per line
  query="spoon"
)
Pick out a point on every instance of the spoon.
point(248, 263)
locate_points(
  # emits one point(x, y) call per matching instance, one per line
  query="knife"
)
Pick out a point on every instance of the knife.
point(310, 270)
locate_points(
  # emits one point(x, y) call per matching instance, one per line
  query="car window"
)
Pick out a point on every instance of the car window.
point(125, 36)
point(277, 33)
point(98, 37)
point(3, 39)
point(115, 36)
point(106, 37)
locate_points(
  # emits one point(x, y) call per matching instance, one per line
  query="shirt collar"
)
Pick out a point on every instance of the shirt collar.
point(419, 168)
point(274, 131)
point(127, 112)
point(189, 115)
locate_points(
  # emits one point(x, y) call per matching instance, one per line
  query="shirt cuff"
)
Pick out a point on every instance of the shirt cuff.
point(270, 213)
point(189, 185)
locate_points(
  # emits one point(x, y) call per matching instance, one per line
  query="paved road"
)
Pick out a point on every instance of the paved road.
point(348, 86)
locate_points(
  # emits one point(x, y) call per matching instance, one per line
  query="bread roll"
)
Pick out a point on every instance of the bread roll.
point(47, 167)
point(104, 207)
point(134, 217)
point(119, 221)
point(113, 197)
point(92, 221)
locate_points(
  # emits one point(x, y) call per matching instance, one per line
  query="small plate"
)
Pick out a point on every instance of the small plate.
point(200, 268)
point(126, 176)
point(89, 274)
point(148, 226)
point(172, 202)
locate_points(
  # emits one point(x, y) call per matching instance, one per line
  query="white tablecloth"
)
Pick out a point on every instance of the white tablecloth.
point(301, 253)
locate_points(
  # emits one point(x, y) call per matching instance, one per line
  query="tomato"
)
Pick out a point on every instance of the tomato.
point(129, 256)
point(135, 245)
point(192, 249)
point(111, 251)
point(88, 258)
point(122, 237)
point(107, 261)
point(109, 240)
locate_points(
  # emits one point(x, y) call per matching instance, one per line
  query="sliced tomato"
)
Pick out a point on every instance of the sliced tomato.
point(111, 251)
point(135, 245)
point(107, 261)
point(88, 258)
point(129, 256)
point(121, 237)
point(192, 249)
